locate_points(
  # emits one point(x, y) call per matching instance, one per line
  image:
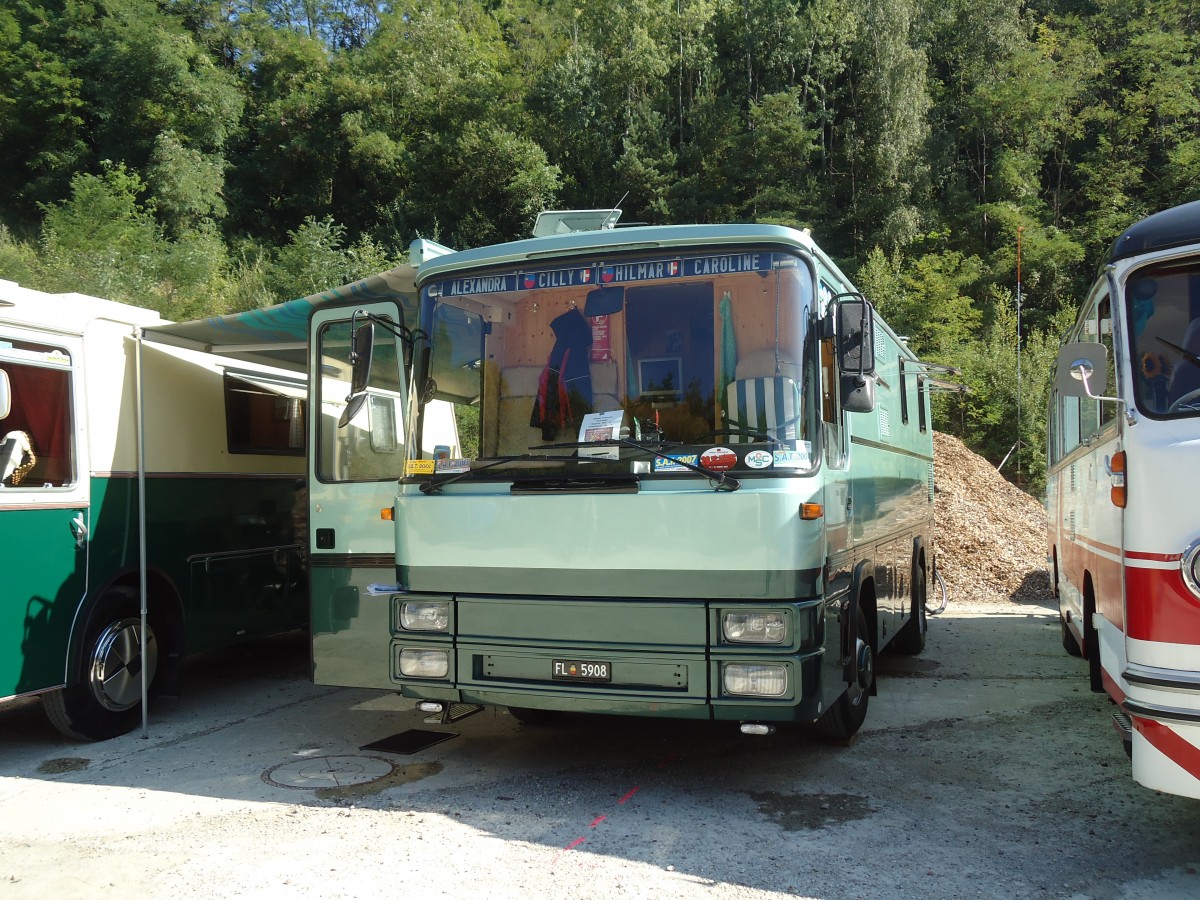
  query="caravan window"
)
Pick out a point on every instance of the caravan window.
point(264, 414)
point(36, 437)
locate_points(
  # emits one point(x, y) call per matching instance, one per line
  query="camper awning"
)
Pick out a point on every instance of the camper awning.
point(278, 335)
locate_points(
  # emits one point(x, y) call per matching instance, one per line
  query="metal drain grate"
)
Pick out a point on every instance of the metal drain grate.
point(328, 772)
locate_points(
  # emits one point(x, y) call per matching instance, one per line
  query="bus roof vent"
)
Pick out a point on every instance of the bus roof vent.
point(567, 221)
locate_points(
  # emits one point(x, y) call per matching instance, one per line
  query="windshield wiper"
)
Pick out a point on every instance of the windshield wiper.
point(1189, 356)
point(722, 481)
point(434, 486)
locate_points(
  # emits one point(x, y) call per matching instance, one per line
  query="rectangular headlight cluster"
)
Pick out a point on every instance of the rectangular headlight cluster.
point(754, 680)
point(424, 663)
point(754, 627)
point(425, 615)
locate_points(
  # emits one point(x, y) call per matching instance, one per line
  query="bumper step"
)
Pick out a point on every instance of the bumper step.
point(453, 712)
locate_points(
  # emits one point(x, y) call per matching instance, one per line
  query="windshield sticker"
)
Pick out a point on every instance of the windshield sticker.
point(675, 463)
point(800, 458)
point(451, 465)
point(419, 467)
point(719, 459)
point(759, 459)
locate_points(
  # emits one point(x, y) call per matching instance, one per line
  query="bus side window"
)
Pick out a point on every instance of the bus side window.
point(1108, 411)
point(1070, 423)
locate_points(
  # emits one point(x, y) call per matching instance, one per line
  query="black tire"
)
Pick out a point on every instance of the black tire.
point(527, 716)
point(846, 716)
point(910, 639)
point(1091, 643)
point(104, 698)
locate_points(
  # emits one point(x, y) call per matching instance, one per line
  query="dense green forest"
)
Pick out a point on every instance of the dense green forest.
point(204, 156)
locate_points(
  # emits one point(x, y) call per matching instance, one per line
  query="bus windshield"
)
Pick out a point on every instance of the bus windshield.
point(709, 360)
point(1164, 312)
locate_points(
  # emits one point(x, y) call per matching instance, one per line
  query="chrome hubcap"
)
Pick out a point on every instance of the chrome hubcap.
point(118, 656)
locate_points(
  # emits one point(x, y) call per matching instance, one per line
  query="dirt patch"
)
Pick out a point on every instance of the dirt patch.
point(798, 812)
point(991, 535)
point(64, 764)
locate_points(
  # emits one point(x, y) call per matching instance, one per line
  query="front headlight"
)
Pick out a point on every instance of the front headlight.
point(424, 663)
point(1190, 566)
point(425, 615)
point(754, 680)
point(761, 627)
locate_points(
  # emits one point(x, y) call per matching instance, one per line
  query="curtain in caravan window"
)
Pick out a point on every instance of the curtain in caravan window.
point(41, 408)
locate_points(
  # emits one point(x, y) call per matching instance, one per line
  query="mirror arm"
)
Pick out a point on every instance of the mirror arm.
point(1085, 377)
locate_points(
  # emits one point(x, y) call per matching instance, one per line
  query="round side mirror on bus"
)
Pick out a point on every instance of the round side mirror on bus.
point(1082, 369)
point(354, 405)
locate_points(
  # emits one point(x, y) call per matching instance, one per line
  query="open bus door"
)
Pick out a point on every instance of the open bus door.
point(354, 466)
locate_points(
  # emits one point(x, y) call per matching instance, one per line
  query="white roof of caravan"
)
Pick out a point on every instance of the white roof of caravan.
point(66, 313)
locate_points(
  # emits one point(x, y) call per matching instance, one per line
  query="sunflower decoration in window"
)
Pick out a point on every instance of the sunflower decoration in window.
point(1156, 374)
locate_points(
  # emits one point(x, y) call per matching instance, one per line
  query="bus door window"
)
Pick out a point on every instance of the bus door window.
point(36, 438)
point(831, 401)
point(371, 446)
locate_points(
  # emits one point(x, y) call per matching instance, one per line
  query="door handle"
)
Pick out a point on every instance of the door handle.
point(79, 529)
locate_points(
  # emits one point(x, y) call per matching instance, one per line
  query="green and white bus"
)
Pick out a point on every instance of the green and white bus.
point(102, 431)
point(698, 483)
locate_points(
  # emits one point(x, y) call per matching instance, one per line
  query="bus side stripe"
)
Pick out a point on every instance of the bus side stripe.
point(1171, 745)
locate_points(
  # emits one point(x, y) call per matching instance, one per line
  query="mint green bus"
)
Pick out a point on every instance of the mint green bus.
point(101, 432)
point(695, 480)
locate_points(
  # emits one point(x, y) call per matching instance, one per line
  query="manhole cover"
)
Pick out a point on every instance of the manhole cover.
point(328, 772)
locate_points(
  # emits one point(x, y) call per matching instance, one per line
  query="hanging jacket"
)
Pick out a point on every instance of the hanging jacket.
point(565, 385)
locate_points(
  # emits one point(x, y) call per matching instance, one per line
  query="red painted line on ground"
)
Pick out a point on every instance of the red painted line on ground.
point(628, 795)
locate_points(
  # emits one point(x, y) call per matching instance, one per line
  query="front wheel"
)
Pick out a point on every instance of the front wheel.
point(843, 719)
point(105, 696)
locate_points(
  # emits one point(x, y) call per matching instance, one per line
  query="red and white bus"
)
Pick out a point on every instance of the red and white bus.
point(1123, 493)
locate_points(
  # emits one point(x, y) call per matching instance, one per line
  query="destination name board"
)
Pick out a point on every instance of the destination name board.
point(614, 274)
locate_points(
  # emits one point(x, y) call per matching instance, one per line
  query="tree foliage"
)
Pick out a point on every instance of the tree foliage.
point(204, 155)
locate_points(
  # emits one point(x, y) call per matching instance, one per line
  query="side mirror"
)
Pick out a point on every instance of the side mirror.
point(5, 395)
point(1082, 369)
point(856, 336)
point(858, 393)
point(362, 346)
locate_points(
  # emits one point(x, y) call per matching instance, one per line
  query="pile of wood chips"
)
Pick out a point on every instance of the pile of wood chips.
point(991, 535)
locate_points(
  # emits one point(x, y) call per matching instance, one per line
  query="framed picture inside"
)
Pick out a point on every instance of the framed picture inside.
point(661, 378)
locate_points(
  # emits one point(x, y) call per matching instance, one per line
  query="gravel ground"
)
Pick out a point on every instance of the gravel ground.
point(985, 769)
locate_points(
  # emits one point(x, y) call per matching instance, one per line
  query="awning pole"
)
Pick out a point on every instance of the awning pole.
point(141, 464)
